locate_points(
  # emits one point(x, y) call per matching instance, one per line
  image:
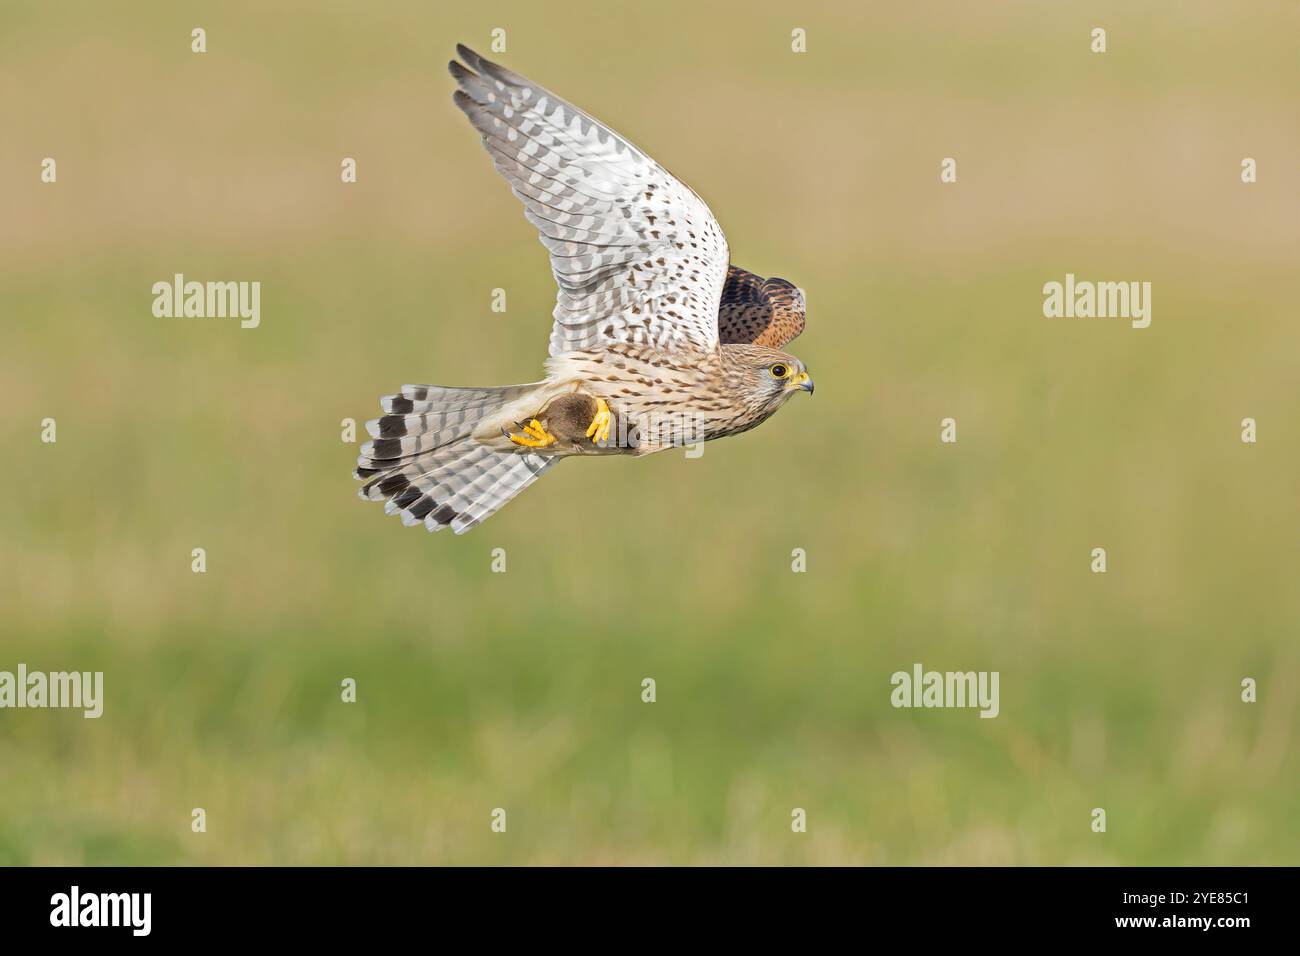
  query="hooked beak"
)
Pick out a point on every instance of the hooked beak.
point(802, 380)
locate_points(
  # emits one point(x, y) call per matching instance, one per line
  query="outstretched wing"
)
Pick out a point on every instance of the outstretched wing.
point(759, 311)
point(637, 256)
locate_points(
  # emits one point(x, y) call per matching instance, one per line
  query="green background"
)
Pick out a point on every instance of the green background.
point(522, 690)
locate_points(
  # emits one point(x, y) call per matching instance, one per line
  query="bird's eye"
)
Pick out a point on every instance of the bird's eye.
point(779, 371)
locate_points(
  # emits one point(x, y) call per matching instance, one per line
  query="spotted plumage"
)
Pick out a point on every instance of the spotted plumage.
point(657, 340)
point(759, 311)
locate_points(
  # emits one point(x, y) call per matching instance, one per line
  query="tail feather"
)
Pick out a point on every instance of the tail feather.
point(427, 408)
point(384, 452)
point(429, 469)
point(431, 398)
point(515, 475)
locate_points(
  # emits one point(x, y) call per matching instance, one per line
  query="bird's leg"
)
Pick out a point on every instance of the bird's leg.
point(598, 430)
point(534, 436)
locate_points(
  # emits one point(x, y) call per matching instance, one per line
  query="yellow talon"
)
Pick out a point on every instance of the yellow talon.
point(535, 436)
point(598, 430)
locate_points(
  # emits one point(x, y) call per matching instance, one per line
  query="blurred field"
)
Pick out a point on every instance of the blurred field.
point(481, 690)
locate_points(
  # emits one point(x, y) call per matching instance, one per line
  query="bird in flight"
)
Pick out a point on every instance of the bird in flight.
point(657, 342)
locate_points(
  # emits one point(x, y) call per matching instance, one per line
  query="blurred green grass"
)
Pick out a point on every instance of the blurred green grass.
point(522, 690)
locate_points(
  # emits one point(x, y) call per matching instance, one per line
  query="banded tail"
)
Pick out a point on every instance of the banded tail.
point(425, 462)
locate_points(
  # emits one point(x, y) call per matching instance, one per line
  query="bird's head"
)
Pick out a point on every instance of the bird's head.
point(771, 376)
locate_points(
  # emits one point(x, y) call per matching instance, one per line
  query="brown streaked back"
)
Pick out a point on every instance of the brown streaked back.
point(759, 311)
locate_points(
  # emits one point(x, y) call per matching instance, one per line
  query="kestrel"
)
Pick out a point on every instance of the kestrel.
point(657, 340)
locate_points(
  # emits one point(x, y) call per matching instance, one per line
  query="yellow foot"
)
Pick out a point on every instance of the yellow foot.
point(598, 430)
point(534, 436)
